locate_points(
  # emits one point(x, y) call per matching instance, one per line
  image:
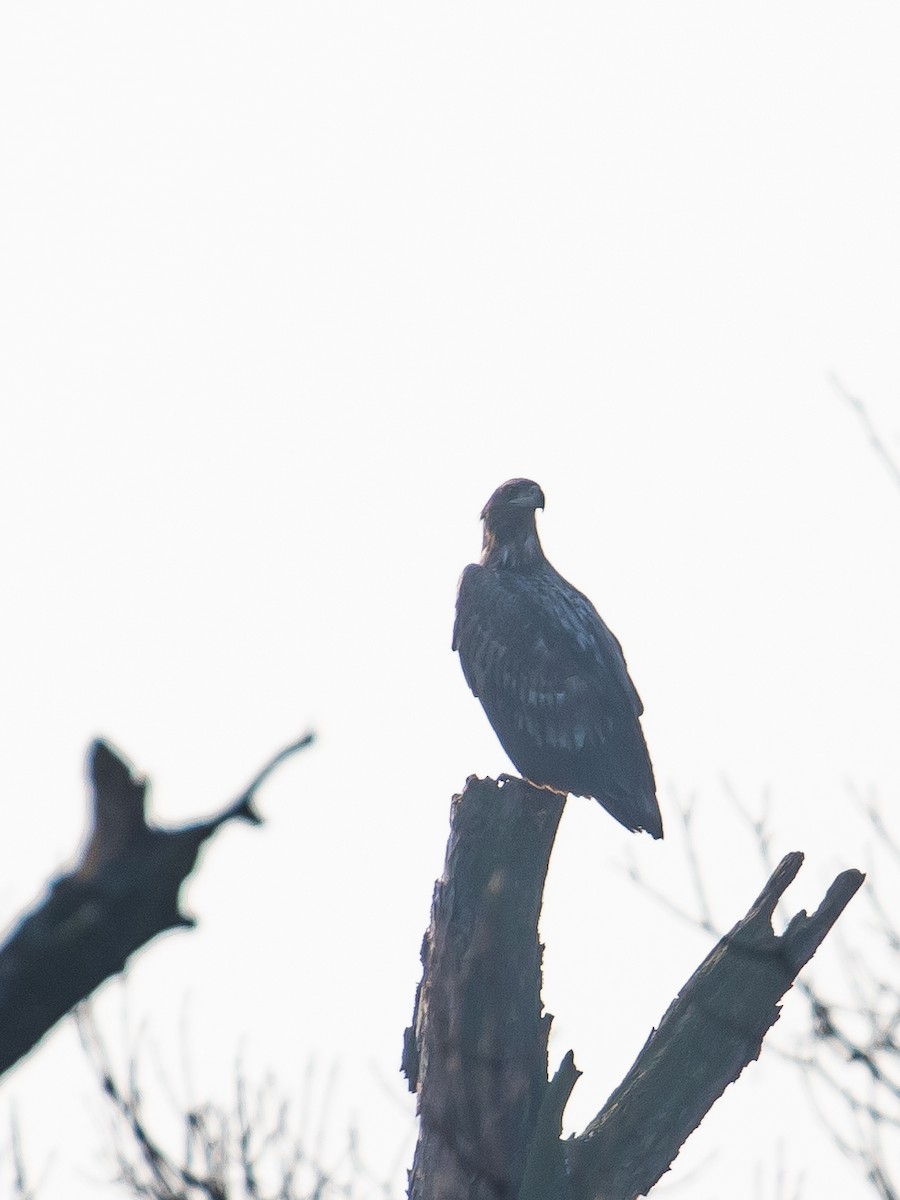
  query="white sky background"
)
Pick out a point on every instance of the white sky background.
point(285, 292)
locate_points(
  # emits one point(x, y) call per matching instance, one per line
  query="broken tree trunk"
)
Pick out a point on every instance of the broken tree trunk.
point(476, 1054)
point(122, 894)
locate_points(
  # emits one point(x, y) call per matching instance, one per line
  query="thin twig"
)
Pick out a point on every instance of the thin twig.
point(872, 433)
point(246, 797)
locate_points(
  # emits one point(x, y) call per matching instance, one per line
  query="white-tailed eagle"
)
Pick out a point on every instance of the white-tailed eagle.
point(549, 674)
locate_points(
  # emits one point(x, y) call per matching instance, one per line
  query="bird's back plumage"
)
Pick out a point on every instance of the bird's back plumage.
point(552, 677)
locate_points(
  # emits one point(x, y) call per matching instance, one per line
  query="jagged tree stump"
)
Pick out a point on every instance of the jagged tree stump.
point(476, 1052)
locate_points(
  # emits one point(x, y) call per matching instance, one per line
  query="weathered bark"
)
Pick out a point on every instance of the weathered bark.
point(121, 895)
point(477, 1050)
point(710, 1032)
point(476, 1053)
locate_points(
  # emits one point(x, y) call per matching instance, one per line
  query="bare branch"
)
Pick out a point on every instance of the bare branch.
point(875, 439)
point(710, 1032)
point(248, 1153)
point(21, 1187)
point(123, 893)
point(852, 1053)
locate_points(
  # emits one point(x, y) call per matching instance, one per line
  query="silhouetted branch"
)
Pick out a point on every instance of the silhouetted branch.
point(245, 1152)
point(123, 893)
point(851, 1052)
point(476, 1054)
point(21, 1188)
point(711, 1031)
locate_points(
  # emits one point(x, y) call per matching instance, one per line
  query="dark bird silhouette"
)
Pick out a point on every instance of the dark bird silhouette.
point(549, 674)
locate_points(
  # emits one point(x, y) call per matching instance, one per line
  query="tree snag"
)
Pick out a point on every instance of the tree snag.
point(122, 894)
point(476, 1053)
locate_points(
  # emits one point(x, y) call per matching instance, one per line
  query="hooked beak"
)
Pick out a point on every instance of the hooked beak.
point(533, 498)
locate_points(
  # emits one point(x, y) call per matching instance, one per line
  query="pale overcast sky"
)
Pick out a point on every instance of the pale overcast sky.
point(285, 291)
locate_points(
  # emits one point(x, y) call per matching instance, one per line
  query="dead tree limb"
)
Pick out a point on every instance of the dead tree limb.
point(477, 1051)
point(123, 893)
point(875, 439)
point(849, 1052)
point(711, 1031)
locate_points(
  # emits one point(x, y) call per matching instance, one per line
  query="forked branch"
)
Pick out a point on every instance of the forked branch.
point(710, 1032)
point(476, 1054)
point(123, 893)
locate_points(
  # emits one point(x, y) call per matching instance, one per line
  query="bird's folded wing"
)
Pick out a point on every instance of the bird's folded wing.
point(539, 640)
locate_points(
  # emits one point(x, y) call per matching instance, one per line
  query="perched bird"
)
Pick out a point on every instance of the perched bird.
point(549, 674)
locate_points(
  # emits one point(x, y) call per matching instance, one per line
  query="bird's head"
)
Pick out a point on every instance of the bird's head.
point(511, 502)
point(510, 535)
